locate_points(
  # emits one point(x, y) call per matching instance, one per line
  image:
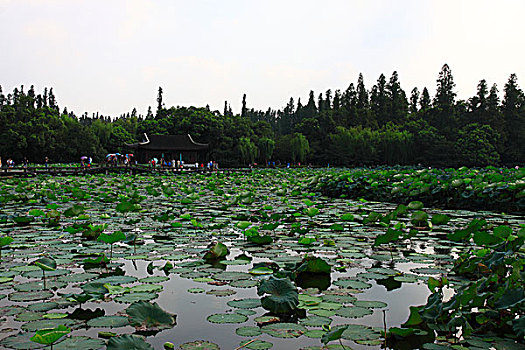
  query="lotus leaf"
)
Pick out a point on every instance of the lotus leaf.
point(256, 344)
point(199, 345)
point(149, 315)
point(227, 318)
point(128, 342)
point(282, 298)
point(79, 342)
point(50, 336)
point(284, 330)
point(108, 321)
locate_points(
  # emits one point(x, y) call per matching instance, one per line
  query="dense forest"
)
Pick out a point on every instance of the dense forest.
point(357, 126)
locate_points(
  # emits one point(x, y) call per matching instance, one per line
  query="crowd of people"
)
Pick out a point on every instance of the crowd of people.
point(180, 164)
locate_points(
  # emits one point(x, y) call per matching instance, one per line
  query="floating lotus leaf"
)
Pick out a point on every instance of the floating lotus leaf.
point(221, 292)
point(115, 280)
point(370, 304)
point(134, 297)
point(149, 315)
point(314, 333)
point(232, 276)
point(20, 341)
point(11, 310)
point(79, 342)
point(248, 303)
point(245, 312)
point(42, 306)
point(284, 330)
point(128, 342)
point(322, 312)
point(50, 336)
point(38, 274)
point(34, 326)
point(108, 321)
point(315, 321)
point(353, 312)
point(352, 283)
point(342, 299)
point(28, 316)
point(227, 318)
point(154, 279)
point(256, 345)
point(54, 315)
point(38, 285)
point(146, 288)
point(77, 277)
point(196, 290)
point(359, 332)
point(244, 283)
point(30, 296)
point(248, 331)
point(199, 345)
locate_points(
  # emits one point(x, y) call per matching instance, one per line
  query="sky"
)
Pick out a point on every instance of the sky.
point(110, 56)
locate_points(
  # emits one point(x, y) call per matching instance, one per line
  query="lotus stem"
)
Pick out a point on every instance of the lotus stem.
point(242, 346)
point(341, 343)
point(384, 325)
point(44, 278)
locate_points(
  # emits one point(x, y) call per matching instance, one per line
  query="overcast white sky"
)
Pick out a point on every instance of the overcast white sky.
point(112, 55)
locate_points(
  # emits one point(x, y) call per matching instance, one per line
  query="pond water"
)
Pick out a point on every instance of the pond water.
point(178, 220)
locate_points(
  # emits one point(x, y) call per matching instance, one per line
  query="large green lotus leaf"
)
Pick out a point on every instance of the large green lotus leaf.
point(248, 331)
point(134, 297)
point(11, 310)
point(34, 326)
point(218, 250)
point(75, 210)
point(116, 236)
point(260, 240)
point(43, 306)
point(440, 219)
point(510, 298)
point(256, 345)
point(46, 264)
point(23, 220)
point(283, 296)
point(333, 334)
point(248, 303)
point(315, 265)
point(227, 318)
point(30, 296)
point(357, 332)
point(108, 321)
point(419, 218)
point(79, 342)
point(149, 315)
point(20, 341)
point(353, 312)
point(415, 205)
point(128, 342)
point(283, 330)
point(5, 240)
point(50, 336)
point(391, 235)
point(94, 288)
point(199, 345)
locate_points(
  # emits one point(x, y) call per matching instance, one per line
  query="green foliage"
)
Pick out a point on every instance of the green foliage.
point(217, 251)
point(149, 315)
point(50, 336)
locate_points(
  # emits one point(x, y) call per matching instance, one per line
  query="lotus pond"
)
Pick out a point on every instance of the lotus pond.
point(252, 261)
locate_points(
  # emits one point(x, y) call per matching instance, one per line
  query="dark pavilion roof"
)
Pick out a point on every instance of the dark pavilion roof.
point(168, 143)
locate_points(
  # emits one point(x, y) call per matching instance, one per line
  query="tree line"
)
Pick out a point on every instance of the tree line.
point(357, 126)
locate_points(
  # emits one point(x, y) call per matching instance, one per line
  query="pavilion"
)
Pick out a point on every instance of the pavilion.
point(169, 147)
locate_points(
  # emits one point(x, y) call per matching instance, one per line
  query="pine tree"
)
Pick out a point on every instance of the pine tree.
point(414, 99)
point(160, 104)
point(513, 109)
